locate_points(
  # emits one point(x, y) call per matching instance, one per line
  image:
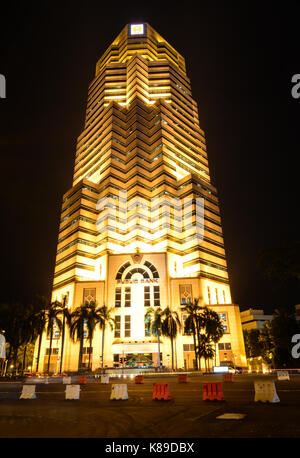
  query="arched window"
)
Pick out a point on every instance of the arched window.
point(121, 270)
point(137, 270)
point(152, 268)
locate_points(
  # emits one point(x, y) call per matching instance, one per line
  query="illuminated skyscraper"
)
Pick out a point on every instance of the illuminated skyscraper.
point(141, 224)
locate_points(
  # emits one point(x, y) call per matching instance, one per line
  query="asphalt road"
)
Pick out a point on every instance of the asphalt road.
point(186, 415)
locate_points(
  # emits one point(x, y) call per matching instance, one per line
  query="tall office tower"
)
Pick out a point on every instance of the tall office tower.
point(141, 224)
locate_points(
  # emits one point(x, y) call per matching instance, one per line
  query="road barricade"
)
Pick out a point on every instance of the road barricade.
point(283, 375)
point(119, 392)
point(67, 380)
point(228, 377)
point(72, 392)
point(182, 378)
point(265, 392)
point(139, 379)
point(161, 392)
point(28, 392)
point(105, 379)
point(212, 392)
point(82, 380)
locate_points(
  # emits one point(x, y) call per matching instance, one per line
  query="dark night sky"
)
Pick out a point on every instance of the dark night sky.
point(240, 58)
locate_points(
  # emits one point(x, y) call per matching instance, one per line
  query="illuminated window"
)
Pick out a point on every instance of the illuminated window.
point(127, 296)
point(152, 268)
point(85, 330)
point(186, 296)
point(55, 332)
point(147, 327)
point(127, 332)
point(118, 297)
point(188, 347)
point(137, 270)
point(118, 326)
point(156, 296)
point(89, 295)
point(223, 318)
point(184, 317)
point(121, 270)
point(147, 302)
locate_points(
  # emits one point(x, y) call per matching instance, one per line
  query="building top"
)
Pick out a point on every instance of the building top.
point(143, 39)
point(254, 319)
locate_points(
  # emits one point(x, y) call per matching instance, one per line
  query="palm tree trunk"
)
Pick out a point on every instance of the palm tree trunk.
point(215, 353)
point(62, 344)
point(158, 344)
point(50, 348)
point(103, 333)
point(90, 349)
point(39, 352)
point(172, 352)
point(24, 359)
point(15, 360)
point(80, 350)
point(194, 337)
point(198, 338)
point(8, 359)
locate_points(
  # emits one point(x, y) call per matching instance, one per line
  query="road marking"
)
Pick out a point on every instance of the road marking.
point(231, 416)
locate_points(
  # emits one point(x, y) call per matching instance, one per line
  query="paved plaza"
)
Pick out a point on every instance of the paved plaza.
point(186, 415)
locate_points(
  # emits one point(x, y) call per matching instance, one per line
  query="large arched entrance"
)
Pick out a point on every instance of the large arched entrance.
point(137, 289)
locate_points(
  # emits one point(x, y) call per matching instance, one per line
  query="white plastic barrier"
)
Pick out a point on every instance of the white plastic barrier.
point(28, 392)
point(72, 391)
point(104, 379)
point(283, 375)
point(265, 392)
point(67, 380)
point(119, 392)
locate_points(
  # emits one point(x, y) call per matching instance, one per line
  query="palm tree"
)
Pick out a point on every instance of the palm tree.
point(283, 326)
point(39, 323)
point(66, 320)
point(205, 349)
point(213, 327)
point(52, 321)
point(193, 323)
point(153, 320)
point(83, 316)
point(170, 326)
point(28, 333)
point(16, 322)
point(104, 318)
